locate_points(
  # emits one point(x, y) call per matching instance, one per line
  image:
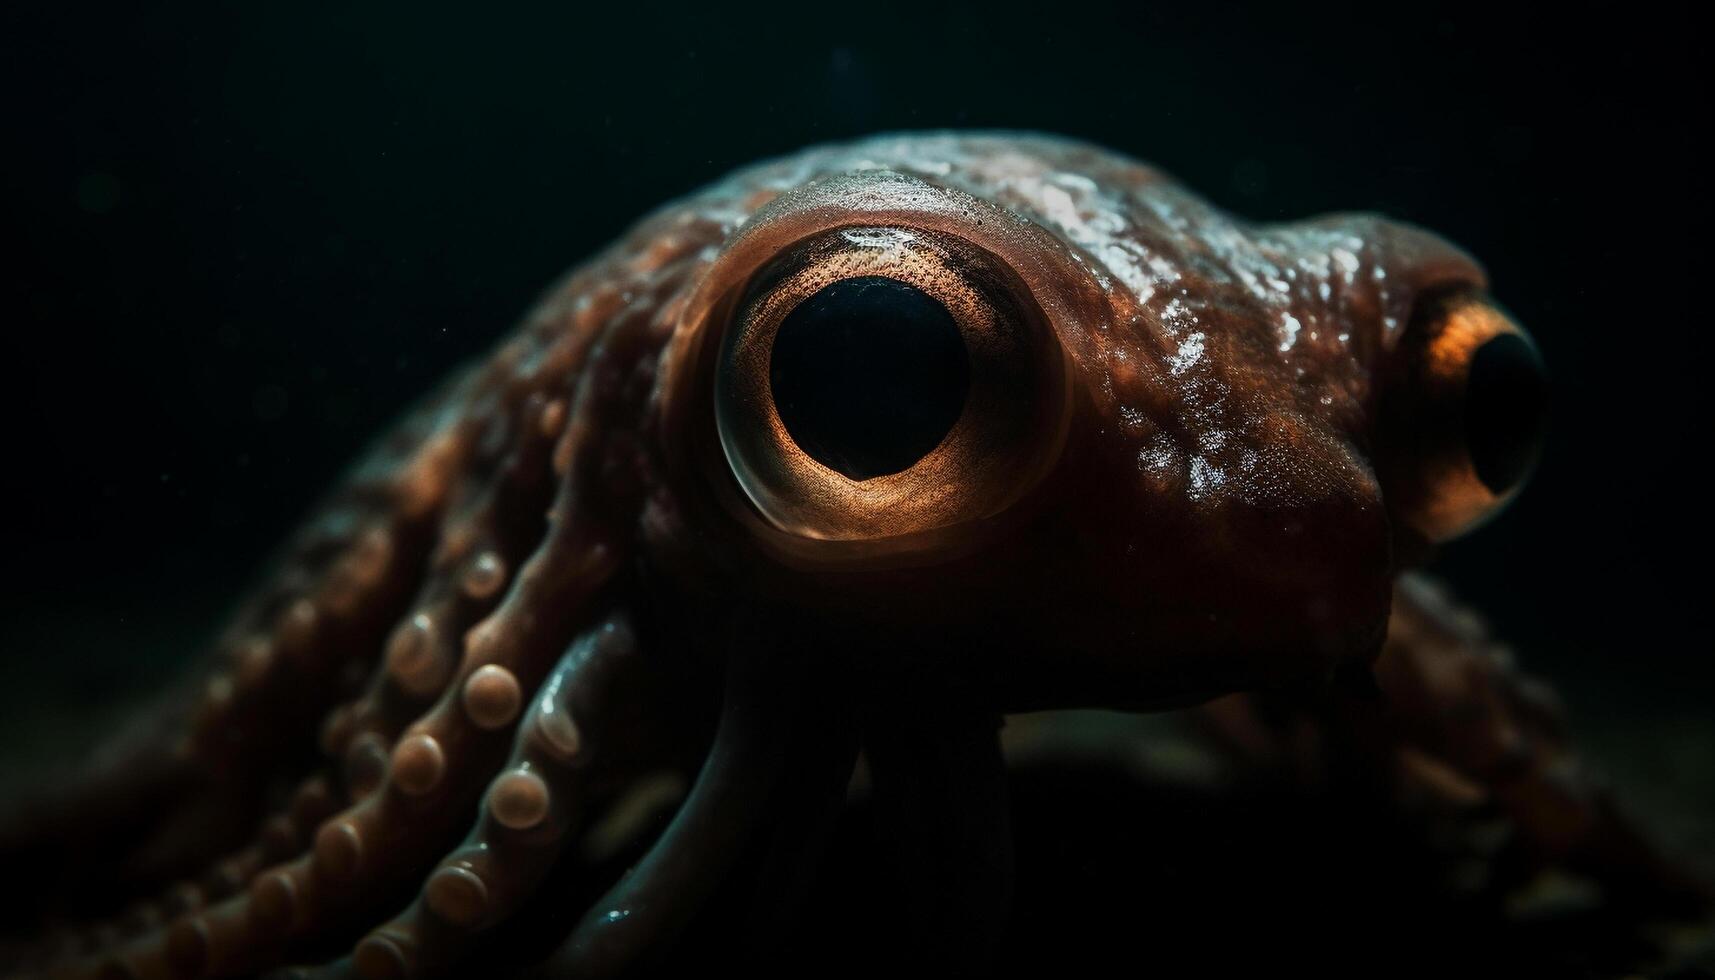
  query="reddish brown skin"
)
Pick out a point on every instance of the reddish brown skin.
point(1210, 521)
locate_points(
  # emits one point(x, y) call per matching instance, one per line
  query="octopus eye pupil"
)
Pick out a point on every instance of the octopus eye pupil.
point(1506, 411)
point(868, 375)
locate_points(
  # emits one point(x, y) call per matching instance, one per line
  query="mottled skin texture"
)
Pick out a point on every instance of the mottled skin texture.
point(546, 586)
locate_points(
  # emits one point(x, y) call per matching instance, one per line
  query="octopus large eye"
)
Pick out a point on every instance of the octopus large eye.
point(1464, 411)
point(877, 382)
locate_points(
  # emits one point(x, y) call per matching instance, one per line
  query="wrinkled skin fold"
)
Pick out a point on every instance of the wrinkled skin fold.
point(588, 571)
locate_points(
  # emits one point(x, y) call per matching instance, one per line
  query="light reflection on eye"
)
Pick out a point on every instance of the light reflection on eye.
point(878, 237)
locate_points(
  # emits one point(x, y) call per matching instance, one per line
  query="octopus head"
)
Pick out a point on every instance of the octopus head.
point(1068, 447)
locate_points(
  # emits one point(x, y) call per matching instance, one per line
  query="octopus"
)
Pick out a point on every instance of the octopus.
point(796, 492)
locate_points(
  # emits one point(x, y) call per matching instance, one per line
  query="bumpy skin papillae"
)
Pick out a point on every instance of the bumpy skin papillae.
point(1208, 521)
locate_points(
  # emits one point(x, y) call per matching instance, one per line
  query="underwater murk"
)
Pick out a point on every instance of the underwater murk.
point(731, 612)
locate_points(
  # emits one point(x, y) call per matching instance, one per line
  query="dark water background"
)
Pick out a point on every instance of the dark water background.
point(243, 236)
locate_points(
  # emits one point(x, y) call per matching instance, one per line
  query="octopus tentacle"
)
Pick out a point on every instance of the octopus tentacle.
point(323, 635)
point(482, 540)
point(749, 775)
point(365, 854)
point(281, 836)
point(1467, 724)
point(805, 821)
point(477, 547)
point(1461, 737)
point(383, 550)
point(564, 760)
point(286, 831)
point(197, 764)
